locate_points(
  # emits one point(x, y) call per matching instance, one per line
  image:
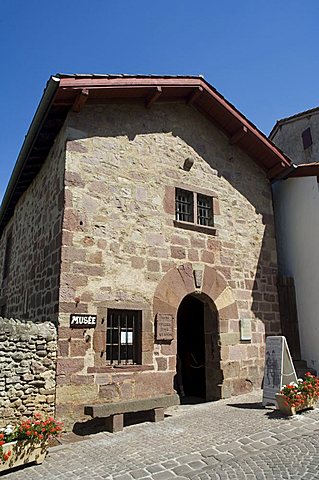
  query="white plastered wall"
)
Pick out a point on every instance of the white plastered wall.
point(296, 203)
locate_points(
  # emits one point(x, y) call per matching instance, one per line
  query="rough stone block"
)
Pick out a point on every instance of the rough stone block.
point(229, 338)
point(69, 365)
point(153, 266)
point(109, 392)
point(157, 415)
point(78, 348)
point(178, 252)
point(161, 363)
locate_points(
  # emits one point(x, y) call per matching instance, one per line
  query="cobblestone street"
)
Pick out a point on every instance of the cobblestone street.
point(228, 439)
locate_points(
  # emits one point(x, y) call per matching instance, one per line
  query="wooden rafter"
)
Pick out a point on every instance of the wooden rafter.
point(272, 172)
point(241, 132)
point(196, 93)
point(153, 97)
point(80, 100)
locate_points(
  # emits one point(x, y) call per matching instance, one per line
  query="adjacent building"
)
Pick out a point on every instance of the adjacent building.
point(296, 202)
point(140, 211)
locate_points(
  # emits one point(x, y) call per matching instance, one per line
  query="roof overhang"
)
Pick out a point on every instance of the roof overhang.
point(70, 92)
point(304, 170)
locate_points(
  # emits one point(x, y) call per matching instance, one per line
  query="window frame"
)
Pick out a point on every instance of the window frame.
point(194, 224)
point(112, 359)
point(306, 138)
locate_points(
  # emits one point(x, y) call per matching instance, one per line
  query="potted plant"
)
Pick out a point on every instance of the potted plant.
point(298, 396)
point(27, 441)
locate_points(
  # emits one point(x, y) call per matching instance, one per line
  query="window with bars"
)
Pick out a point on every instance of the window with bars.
point(184, 205)
point(123, 337)
point(194, 207)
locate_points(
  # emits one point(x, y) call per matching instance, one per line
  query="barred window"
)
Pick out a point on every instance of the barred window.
point(184, 205)
point(194, 208)
point(123, 337)
point(204, 210)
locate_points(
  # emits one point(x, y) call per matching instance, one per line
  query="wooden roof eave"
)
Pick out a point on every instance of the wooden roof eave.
point(30, 138)
point(74, 91)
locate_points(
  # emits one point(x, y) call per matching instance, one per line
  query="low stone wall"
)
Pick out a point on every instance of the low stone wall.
point(27, 368)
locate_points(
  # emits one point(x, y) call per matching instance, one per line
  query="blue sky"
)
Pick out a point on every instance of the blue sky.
point(261, 55)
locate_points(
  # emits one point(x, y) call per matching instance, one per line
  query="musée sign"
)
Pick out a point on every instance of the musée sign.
point(82, 321)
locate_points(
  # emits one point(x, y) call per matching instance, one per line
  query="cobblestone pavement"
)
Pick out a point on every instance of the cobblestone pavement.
point(228, 439)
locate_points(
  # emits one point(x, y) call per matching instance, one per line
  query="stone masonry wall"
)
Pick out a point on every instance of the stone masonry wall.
point(288, 137)
point(27, 369)
point(120, 239)
point(31, 289)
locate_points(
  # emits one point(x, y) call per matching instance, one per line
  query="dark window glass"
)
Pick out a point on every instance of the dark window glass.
point(123, 336)
point(184, 205)
point(204, 210)
point(306, 138)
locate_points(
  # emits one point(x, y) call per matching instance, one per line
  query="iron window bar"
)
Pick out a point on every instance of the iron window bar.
point(204, 210)
point(184, 205)
point(194, 208)
point(122, 337)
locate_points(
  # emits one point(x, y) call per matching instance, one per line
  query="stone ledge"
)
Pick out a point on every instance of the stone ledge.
point(138, 405)
point(194, 227)
point(120, 368)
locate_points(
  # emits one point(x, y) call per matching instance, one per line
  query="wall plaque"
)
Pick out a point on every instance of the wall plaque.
point(245, 329)
point(164, 326)
point(82, 321)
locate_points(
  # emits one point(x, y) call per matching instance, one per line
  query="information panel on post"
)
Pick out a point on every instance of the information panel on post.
point(279, 368)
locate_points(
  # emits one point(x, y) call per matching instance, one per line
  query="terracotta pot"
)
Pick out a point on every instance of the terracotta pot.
point(23, 452)
point(288, 410)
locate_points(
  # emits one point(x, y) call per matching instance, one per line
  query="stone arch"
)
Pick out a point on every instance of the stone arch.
point(180, 281)
point(211, 287)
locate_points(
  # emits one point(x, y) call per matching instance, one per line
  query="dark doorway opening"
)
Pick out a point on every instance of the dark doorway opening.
point(191, 358)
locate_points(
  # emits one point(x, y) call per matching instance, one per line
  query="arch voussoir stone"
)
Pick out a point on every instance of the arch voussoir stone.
point(179, 282)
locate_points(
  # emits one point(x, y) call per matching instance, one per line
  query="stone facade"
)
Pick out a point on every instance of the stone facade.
point(27, 369)
point(31, 289)
point(121, 248)
point(287, 134)
point(96, 230)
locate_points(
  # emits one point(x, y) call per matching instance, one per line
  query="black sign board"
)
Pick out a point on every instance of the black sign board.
point(82, 321)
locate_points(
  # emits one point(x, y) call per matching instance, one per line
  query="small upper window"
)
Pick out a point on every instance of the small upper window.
point(204, 210)
point(194, 208)
point(123, 337)
point(184, 205)
point(306, 138)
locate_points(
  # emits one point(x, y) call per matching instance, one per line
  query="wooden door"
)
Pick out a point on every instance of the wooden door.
point(288, 314)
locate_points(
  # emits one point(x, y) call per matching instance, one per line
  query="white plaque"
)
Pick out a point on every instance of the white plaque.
point(245, 329)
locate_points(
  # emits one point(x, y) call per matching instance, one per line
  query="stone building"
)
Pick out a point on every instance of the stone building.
point(145, 201)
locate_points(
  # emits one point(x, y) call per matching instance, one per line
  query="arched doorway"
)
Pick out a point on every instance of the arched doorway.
point(198, 358)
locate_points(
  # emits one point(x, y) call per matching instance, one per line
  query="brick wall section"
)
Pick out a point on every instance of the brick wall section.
point(119, 240)
point(31, 289)
point(27, 369)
